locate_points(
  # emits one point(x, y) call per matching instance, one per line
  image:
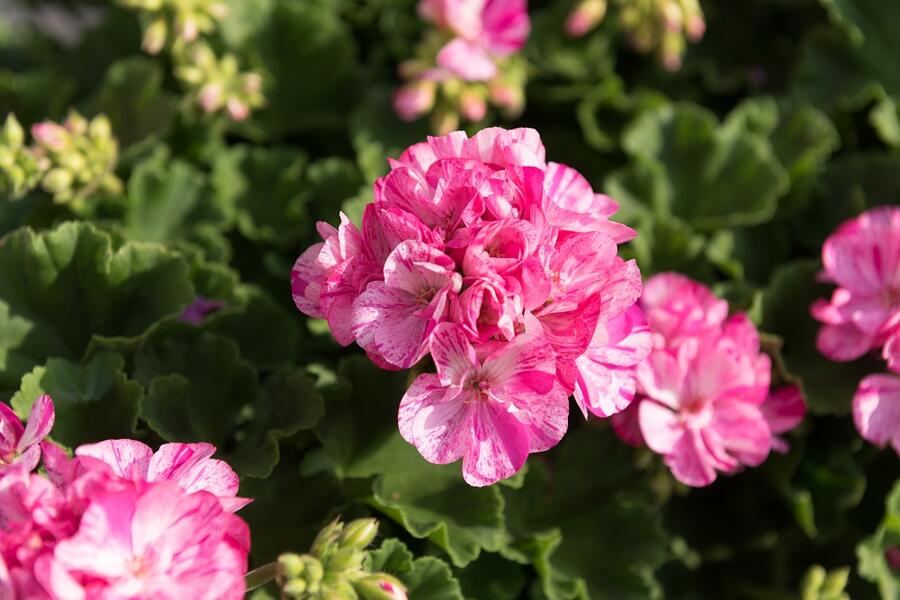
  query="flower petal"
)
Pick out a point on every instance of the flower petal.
point(498, 446)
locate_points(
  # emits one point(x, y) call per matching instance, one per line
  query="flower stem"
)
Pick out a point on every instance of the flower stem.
point(261, 576)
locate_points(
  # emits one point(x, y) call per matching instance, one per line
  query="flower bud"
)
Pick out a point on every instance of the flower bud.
point(380, 586)
point(472, 105)
point(671, 49)
point(58, 180)
point(345, 559)
point(252, 83)
point(695, 27)
point(290, 565)
point(326, 539)
point(217, 10)
point(75, 123)
point(294, 588)
point(13, 135)
point(507, 96)
point(358, 534)
point(50, 135)
point(100, 129)
point(237, 110)
point(188, 29)
point(586, 16)
point(210, 97)
point(414, 99)
point(155, 37)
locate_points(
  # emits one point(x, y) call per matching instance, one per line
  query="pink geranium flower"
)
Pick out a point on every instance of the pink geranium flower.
point(190, 466)
point(482, 238)
point(155, 542)
point(490, 411)
point(703, 399)
point(876, 405)
point(863, 258)
point(20, 445)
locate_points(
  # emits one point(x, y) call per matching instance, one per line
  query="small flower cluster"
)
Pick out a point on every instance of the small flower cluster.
point(504, 269)
point(703, 399)
point(334, 567)
point(468, 60)
point(214, 83)
point(651, 25)
point(863, 259)
point(70, 160)
point(117, 520)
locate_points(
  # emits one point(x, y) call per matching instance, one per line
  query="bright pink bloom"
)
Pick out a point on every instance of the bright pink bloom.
point(876, 410)
point(156, 542)
point(500, 26)
point(490, 412)
point(863, 258)
point(703, 397)
point(190, 466)
point(20, 445)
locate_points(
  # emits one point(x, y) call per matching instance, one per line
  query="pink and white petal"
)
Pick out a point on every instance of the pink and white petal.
point(435, 420)
point(171, 460)
point(339, 292)
point(129, 459)
point(385, 320)
point(306, 282)
point(603, 389)
point(843, 343)
point(892, 352)
point(59, 467)
point(467, 60)
point(40, 422)
point(863, 255)
point(27, 460)
point(528, 362)
point(690, 461)
point(545, 415)
point(661, 377)
point(876, 410)
point(745, 433)
point(661, 428)
point(784, 408)
point(498, 445)
point(452, 353)
point(11, 429)
point(502, 148)
point(627, 425)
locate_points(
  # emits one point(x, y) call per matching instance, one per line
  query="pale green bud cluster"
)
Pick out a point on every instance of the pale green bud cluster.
point(214, 83)
point(663, 27)
point(217, 83)
point(333, 568)
point(818, 584)
point(70, 161)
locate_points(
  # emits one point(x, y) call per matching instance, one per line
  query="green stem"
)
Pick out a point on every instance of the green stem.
point(261, 576)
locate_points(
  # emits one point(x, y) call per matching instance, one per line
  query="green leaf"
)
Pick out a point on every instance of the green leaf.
point(591, 532)
point(265, 186)
point(708, 175)
point(359, 432)
point(61, 288)
point(828, 386)
point(93, 401)
point(492, 577)
point(167, 198)
point(425, 578)
point(197, 384)
point(329, 183)
point(885, 118)
point(873, 564)
point(288, 403)
point(133, 98)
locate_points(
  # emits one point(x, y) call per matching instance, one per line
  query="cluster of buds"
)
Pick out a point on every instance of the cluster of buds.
point(822, 585)
point(214, 83)
point(333, 569)
point(466, 63)
point(661, 26)
point(218, 83)
point(70, 161)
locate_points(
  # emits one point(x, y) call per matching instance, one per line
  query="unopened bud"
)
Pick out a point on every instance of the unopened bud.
point(155, 37)
point(671, 49)
point(237, 110)
point(509, 97)
point(346, 559)
point(326, 539)
point(586, 16)
point(295, 588)
point(380, 586)
point(472, 105)
point(75, 123)
point(414, 99)
point(13, 135)
point(100, 128)
point(252, 83)
point(58, 180)
point(290, 565)
point(358, 534)
point(210, 97)
point(695, 27)
point(218, 10)
point(188, 30)
point(50, 135)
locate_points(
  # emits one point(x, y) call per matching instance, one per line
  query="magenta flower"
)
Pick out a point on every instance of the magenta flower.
point(703, 399)
point(876, 405)
point(20, 445)
point(483, 238)
point(490, 412)
point(187, 465)
point(863, 258)
point(155, 542)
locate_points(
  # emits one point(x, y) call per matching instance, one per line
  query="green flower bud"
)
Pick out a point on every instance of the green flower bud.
point(346, 559)
point(290, 566)
point(12, 135)
point(359, 533)
point(295, 588)
point(380, 586)
point(155, 36)
point(327, 538)
point(100, 129)
point(58, 180)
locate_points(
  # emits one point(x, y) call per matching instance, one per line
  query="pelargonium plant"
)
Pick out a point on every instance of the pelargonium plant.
point(503, 269)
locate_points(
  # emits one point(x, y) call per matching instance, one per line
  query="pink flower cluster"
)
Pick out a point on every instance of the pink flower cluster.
point(471, 45)
point(504, 269)
point(118, 521)
point(703, 399)
point(862, 257)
